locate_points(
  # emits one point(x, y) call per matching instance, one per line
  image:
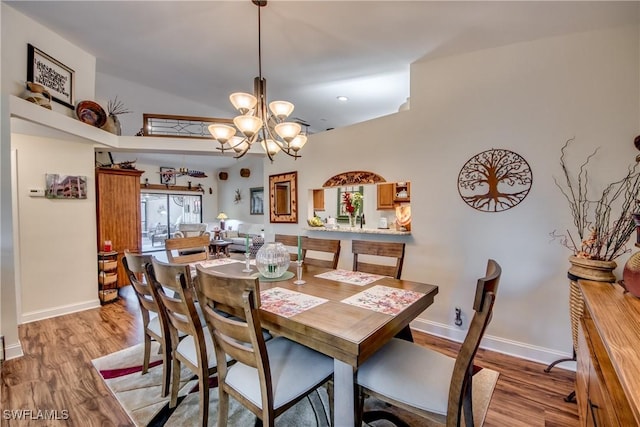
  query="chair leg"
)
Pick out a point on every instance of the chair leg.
point(147, 353)
point(203, 382)
point(223, 407)
point(166, 368)
point(467, 405)
point(331, 403)
point(175, 382)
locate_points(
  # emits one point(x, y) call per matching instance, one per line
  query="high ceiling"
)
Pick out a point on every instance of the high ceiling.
point(312, 51)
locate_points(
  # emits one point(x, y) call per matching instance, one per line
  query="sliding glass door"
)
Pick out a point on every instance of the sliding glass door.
point(161, 214)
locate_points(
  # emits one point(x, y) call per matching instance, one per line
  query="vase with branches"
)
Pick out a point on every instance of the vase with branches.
point(603, 225)
point(604, 222)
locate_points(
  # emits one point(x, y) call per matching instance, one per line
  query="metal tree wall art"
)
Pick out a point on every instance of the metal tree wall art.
point(495, 180)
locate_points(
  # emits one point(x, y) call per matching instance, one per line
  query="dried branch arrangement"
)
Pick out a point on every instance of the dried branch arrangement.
point(115, 107)
point(603, 225)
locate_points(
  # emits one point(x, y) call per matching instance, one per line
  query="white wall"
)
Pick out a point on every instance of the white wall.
point(16, 32)
point(140, 99)
point(58, 266)
point(528, 98)
point(240, 211)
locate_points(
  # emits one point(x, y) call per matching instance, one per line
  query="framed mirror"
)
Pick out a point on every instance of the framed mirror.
point(283, 197)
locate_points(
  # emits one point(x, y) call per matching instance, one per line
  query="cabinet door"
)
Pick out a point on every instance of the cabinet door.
point(582, 377)
point(318, 200)
point(118, 212)
point(386, 195)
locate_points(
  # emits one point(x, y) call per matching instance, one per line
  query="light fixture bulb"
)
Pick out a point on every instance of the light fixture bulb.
point(281, 109)
point(239, 144)
point(248, 125)
point(271, 147)
point(222, 133)
point(243, 102)
point(288, 130)
point(298, 142)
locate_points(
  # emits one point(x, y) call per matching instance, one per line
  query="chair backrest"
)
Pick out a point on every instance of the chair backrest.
point(238, 337)
point(461, 379)
point(191, 230)
point(381, 249)
point(329, 246)
point(289, 242)
point(187, 249)
point(135, 267)
point(180, 307)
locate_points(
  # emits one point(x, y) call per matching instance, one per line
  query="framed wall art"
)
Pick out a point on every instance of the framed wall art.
point(167, 175)
point(52, 74)
point(65, 186)
point(257, 201)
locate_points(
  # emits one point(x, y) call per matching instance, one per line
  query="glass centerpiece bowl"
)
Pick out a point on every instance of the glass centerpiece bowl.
point(272, 260)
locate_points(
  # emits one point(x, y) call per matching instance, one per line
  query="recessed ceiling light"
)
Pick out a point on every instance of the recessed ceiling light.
point(342, 98)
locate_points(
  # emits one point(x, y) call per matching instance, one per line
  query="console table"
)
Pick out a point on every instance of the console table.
point(608, 357)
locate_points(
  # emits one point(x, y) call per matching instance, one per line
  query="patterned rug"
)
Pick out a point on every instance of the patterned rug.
point(139, 396)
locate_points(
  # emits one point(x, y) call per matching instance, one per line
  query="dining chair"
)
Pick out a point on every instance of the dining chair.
point(393, 255)
point(328, 246)
point(196, 349)
point(187, 249)
point(387, 250)
point(424, 381)
point(154, 320)
point(289, 242)
point(269, 377)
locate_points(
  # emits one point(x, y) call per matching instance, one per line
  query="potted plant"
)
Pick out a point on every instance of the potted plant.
point(603, 225)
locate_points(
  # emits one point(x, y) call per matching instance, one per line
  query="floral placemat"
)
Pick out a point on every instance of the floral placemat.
point(351, 277)
point(384, 299)
point(287, 303)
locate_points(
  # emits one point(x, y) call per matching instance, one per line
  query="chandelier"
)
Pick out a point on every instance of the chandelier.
point(256, 122)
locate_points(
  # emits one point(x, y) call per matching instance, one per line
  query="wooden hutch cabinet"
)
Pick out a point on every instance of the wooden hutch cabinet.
point(118, 212)
point(608, 368)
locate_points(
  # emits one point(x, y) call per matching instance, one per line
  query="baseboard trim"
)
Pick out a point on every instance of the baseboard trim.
point(500, 345)
point(34, 316)
point(13, 351)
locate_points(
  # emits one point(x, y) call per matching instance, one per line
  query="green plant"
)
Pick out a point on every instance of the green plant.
point(603, 225)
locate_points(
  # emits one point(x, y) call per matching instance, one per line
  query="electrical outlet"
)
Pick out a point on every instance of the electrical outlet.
point(458, 314)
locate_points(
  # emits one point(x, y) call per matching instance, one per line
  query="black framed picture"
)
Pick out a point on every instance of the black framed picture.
point(167, 175)
point(52, 74)
point(256, 205)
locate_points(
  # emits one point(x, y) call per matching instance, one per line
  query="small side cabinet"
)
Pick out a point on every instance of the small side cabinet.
point(107, 276)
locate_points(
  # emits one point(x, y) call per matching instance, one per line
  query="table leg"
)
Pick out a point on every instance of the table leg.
point(344, 396)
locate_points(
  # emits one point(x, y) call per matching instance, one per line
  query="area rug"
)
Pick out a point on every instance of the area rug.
point(139, 396)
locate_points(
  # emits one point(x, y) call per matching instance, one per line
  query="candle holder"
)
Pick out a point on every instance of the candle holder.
point(299, 271)
point(247, 265)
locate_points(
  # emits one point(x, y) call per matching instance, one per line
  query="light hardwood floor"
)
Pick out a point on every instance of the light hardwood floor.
point(56, 373)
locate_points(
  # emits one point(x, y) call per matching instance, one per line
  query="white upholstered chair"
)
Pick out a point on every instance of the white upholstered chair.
point(196, 349)
point(154, 322)
point(268, 377)
point(428, 383)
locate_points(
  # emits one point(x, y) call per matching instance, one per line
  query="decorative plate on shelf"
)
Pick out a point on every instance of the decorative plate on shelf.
point(91, 113)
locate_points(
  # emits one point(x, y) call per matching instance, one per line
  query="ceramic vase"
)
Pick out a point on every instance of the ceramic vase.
point(589, 269)
point(352, 220)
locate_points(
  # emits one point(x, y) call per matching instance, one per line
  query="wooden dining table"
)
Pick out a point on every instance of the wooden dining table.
point(348, 333)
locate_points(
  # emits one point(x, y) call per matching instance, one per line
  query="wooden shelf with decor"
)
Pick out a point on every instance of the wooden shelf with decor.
point(402, 192)
point(107, 276)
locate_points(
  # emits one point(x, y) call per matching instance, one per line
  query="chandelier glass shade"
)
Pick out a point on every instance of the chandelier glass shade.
point(259, 121)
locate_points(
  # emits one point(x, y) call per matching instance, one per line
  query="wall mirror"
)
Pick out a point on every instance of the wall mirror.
point(283, 197)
